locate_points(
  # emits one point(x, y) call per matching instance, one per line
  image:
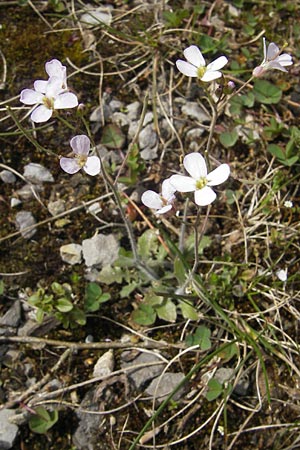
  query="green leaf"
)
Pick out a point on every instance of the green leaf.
point(188, 310)
point(229, 138)
point(167, 311)
point(78, 316)
point(43, 420)
point(266, 92)
point(214, 389)
point(275, 150)
point(128, 289)
point(144, 315)
point(94, 297)
point(290, 161)
point(64, 305)
point(40, 315)
point(110, 275)
point(112, 137)
point(147, 243)
point(229, 352)
point(201, 337)
point(179, 270)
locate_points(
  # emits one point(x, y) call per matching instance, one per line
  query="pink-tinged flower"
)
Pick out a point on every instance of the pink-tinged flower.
point(54, 68)
point(47, 97)
point(200, 181)
point(195, 65)
point(81, 148)
point(272, 60)
point(162, 203)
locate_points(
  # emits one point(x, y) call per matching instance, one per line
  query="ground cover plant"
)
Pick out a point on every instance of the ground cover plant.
point(149, 224)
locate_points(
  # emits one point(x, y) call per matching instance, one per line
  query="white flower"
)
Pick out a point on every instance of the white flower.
point(81, 147)
point(195, 65)
point(162, 203)
point(272, 60)
point(282, 274)
point(47, 96)
point(288, 204)
point(54, 68)
point(199, 180)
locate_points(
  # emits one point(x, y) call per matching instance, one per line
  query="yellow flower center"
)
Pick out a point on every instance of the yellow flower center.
point(81, 160)
point(201, 183)
point(48, 102)
point(201, 71)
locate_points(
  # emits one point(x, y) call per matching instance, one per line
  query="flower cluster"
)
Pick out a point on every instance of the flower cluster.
point(50, 94)
point(199, 182)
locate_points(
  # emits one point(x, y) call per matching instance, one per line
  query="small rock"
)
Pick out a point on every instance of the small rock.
point(115, 105)
point(36, 173)
point(29, 191)
point(71, 253)
point(149, 153)
point(56, 207)
point(8, 177)
point(147, 137)
point(193, 110)
point(132, 130)
point(120, 119)
point(14, 202)
point(100, 250)
point(94, 17)
point(162, 386)
point(105, 365)
point(134, 110)
point(224, 374)
point(12, 317)
point(25, 219)
point(8, 431)
point(142, 375)
point(148, 118)
point(86, 435)
point(242, 386)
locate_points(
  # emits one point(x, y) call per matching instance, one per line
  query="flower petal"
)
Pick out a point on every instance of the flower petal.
point(193, 55)
point(186, 68)
point(53, 87)
point(66, 100)
point(164, 209)
point(211, 75)
point(41, 114)
point(69, 165)
point(195, 165)
point(31, 97)
point(285, 59)
point(54, 68)
point(80, 144)
point(218, 63)
point(167, 190)
point(152, 200)
point(204, 196)
point(40, 86)
point(182, 183)
point(92, 165)
point(275, 65)
point(219, 175)
point(272, 52)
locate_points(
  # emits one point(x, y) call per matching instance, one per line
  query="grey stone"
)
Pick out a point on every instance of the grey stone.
point(56, 207)
point(162, 386)
point(134, 110)
point(86, 435)
point(105, 365)
point(120, 119)
point(224, 374)
point(12, 317)
point(8, 431)
point(14, 202)
point(7, 176)
point(141, 376)
point(132, 130)
point(242, 386)
point(148, 137)
point(115, 105)
point(71, 253)
point(149, 153)
point(194, 111)
point(29, 191)
point(36, 173)
point(100, 250)
point(25, 219)
point(148, 118)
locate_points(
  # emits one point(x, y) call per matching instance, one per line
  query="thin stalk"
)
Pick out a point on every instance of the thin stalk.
point(140, 264)
point(27, 134)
